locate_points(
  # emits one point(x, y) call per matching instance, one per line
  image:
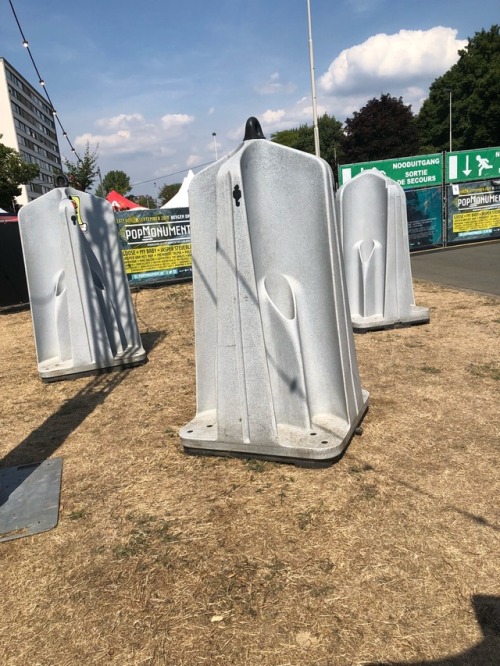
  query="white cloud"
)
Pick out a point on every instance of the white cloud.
point(119, 122)
point(105, 141)
point(404, 64)
point(274, 120)
point(172, 122)
point(270, 117)
point(131, 133)
point(298, 114)
point(194, 160)
point(408, 56)
point(274, 86)
point(270, 120)
point(415, 96)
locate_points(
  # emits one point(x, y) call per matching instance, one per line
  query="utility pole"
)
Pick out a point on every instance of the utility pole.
point(313, 82)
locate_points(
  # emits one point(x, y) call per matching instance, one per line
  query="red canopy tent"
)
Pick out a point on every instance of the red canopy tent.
point(7, 217)
point(120, 202)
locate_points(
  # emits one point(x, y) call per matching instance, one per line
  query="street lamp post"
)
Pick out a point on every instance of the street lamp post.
point(313, 83)
point(215, 145)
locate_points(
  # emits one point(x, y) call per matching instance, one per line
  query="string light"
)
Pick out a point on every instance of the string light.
point(175, 173)
point(42, 82)
point(54, 112)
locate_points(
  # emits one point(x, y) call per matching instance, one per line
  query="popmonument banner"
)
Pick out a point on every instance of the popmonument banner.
point(473, 211)
point(156, 245)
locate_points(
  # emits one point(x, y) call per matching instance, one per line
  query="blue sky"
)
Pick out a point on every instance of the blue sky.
point(151, 82)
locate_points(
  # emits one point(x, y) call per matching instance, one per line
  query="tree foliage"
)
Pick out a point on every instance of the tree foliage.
point(382, 129)
point(302, 138)
point(114, 180)
point(167, 192)
point(474, 82)
point(13, 173)
point(144, 200)
point(82, 173)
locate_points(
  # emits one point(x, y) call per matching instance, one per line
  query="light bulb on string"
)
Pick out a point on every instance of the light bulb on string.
point(41, 81)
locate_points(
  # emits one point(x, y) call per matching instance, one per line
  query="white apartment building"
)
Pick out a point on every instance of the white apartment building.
point(27, 125)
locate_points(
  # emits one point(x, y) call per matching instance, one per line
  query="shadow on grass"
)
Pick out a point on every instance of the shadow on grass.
point(485, 653)
point(479, 520)
point(45, 440)
point(151, 339)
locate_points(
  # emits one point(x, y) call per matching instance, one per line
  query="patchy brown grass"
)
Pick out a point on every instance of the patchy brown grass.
point(392, 555)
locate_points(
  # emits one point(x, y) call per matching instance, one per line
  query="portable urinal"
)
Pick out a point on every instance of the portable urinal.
point(374, 230)
point(276, 369)
point(82, 312)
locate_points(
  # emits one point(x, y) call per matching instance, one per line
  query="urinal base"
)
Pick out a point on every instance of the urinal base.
point(420, 317)
point(312, 458)
point(59, 373)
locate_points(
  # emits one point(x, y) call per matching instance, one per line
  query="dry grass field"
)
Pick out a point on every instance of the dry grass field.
point(391, 556)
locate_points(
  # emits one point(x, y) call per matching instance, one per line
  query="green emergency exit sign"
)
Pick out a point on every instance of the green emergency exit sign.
point(468, 165)
point(409, 172)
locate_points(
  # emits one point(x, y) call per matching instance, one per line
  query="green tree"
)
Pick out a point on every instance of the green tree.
point(382, 129)
point(144, 200)
point(167, 192)
point(114, 180)
point(474, 84)
point(302, 138)
point(13, 173)
point(290, 137)
point(82, 173)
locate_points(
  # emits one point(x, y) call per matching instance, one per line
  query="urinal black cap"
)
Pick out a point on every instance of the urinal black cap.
point(253, 130)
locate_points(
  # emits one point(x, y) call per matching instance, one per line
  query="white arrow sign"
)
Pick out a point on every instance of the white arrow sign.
point(467, 171)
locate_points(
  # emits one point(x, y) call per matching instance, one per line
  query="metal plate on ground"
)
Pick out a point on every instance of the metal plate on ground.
point(29, 498)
